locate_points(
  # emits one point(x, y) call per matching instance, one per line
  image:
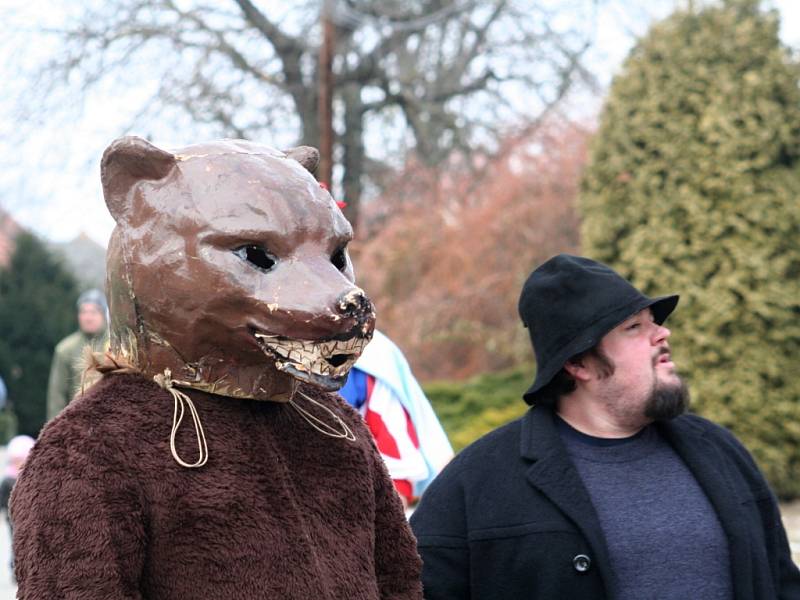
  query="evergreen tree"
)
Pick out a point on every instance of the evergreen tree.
point(694, 187)
point(37, 309)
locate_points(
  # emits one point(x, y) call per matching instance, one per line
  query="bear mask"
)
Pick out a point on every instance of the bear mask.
point(228, 266)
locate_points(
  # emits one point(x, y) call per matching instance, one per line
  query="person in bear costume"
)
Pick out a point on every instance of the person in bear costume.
point(211, 460)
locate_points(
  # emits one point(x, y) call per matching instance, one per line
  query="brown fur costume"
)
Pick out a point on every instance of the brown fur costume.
point(104, 511)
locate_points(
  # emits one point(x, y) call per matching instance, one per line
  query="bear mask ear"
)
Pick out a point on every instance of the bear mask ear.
point(306, 156)
point(128, 160)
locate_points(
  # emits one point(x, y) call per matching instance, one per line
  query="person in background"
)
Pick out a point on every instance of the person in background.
point(409, 437)
point(67, 367)
point(16, 453)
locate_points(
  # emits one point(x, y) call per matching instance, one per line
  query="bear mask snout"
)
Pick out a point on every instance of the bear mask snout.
point(354, 304)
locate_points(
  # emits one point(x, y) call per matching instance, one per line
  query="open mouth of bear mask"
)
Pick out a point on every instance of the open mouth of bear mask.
point(321, 363)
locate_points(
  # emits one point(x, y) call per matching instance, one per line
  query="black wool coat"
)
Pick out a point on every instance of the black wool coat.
point(510, 518)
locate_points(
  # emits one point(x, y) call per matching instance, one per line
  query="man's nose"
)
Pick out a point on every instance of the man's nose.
point(661, 334)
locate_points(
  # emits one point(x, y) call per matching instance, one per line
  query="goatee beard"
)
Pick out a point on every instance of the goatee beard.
point(667, 401)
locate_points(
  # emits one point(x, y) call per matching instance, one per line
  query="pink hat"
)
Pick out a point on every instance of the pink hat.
point(17, 451)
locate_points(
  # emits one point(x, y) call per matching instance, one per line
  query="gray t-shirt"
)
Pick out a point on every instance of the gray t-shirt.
point(664, 539)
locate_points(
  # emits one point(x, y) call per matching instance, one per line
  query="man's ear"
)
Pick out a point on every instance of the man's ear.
point(128, 160)
point(578, 370)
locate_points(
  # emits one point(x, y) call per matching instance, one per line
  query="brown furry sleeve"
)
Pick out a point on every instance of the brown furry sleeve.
point(397, 564)
point(78, 521)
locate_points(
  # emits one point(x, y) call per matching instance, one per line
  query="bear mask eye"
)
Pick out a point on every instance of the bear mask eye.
point(339, 259)
point(256, 256)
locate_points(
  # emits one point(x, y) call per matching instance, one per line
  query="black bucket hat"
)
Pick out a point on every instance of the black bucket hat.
point(569, 303)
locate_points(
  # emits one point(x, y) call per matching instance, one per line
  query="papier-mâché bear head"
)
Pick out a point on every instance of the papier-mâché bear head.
point(229, 267)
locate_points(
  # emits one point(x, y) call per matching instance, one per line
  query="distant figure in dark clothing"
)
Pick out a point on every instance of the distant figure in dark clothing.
point(3, 394)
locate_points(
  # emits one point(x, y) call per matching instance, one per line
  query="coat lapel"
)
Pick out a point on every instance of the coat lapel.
point(554, 475)
point(711, 470)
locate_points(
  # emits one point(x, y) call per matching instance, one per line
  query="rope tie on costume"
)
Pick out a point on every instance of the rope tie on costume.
point(165, 381)
point(325, 428)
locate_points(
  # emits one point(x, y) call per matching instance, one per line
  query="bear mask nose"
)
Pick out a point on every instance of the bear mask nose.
point(355, 305)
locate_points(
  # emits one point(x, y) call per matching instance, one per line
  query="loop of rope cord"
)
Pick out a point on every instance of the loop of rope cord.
point(320, 425)
point(108, 363)
point(180, 398)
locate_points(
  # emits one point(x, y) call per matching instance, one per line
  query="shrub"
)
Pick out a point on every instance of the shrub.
point(447, 268)
point(474, 407)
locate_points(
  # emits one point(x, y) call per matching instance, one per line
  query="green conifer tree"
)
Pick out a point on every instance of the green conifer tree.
point(694, 187)
point(37, 309)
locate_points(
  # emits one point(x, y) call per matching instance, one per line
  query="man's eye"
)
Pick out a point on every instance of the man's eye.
point(339, 259)
point(634, 325)
point(256, 256)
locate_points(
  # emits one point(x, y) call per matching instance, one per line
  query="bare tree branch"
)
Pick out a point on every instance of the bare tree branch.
point(450, 75)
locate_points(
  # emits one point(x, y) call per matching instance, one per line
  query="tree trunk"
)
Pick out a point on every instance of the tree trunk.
point(308, 111)
point(352, 140)
point(325, 87)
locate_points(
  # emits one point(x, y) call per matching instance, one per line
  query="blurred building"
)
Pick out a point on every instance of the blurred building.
point(84, 257)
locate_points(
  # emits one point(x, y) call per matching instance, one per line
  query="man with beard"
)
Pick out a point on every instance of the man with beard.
point(606, 488)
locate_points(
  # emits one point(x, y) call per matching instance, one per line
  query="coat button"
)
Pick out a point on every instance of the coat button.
point(581, 563)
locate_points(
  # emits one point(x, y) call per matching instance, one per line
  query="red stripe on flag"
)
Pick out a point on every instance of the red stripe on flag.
point(404, 488)
point(383, 439)
point(412, 433)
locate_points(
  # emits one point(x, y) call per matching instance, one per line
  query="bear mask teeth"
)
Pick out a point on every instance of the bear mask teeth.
point(331, 358)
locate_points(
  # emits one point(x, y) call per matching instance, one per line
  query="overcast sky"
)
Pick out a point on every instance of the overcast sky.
point(50, 181)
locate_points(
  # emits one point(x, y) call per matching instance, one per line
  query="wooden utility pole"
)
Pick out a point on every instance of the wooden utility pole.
point(325, 108)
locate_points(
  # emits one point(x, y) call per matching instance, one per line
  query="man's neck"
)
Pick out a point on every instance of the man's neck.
point(593, 418)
